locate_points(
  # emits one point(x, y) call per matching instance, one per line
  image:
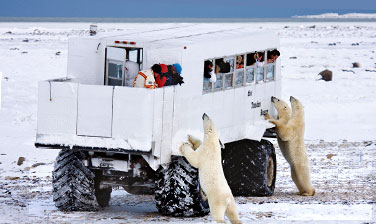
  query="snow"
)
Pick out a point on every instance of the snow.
point(340, 124)
point(337, 16)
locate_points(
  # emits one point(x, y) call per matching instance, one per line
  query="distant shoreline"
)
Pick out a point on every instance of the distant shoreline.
point(176, 20)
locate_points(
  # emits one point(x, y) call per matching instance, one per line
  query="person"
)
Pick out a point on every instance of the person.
point(239, 62)
point(273, 55)
point(149, 78)
point(257, 57)
point(221, 66)
point(208, 72)
point(172, 73)
point(176, 77)
point(160, 80)
point(131, 69)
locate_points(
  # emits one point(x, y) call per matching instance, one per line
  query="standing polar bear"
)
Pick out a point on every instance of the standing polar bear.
point(290, 130)
point(207, 158)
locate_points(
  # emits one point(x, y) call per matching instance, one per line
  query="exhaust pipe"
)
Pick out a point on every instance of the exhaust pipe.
point(93, 30)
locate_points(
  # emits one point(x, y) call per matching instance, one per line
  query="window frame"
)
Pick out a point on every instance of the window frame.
point(140, 60)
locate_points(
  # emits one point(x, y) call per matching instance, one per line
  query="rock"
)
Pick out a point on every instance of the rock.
point(14, 49)
point(27, 168)
point(293, 57)
point(24, 52)
point(312, 27)
point(355, 44)
point(330, 155)
point(326, 75)
point(356, 65)
point(20, 160)
point(26, 40)
point(37, 164)
point(58, 53)
point(11, 178)
point(345, 70)
point(36, 32)
point(332, 44)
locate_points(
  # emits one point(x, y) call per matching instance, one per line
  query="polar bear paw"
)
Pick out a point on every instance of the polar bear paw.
point(184, 146)
point(194, 141)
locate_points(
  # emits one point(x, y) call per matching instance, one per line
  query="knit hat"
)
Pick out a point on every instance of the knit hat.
point(177, 68)
point(164, 68)
point(156, 68)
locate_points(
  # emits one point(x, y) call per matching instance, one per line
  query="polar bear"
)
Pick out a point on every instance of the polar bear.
point(284, 115)
point(290, 130)
point(207, 158)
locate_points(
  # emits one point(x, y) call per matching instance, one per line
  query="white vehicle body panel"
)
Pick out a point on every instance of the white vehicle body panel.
point(94, 111)
point(57, 108)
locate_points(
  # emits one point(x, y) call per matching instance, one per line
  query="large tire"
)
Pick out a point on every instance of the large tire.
point(73, 183)
point(102, 194)
point(178, 190)
point(250, 167)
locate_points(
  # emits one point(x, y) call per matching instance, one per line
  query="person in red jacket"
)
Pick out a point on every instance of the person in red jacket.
point(160, 80)
point(172, 74)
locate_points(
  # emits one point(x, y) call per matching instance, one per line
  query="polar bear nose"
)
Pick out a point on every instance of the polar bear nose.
point(292, 98)
point(204, 115)
point(272, 98)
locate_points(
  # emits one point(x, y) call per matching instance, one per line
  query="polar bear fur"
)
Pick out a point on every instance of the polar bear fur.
point(290, 130)
point(206, 157)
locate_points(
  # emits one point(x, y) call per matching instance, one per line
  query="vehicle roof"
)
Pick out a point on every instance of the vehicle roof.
point(177, 35)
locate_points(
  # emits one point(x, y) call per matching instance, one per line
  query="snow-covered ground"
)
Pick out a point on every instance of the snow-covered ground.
point(340, 16)
point(340, 125)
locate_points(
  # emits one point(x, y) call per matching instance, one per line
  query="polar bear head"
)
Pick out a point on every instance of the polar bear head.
point(297, 107)
point(283, 109)
point(210, 131)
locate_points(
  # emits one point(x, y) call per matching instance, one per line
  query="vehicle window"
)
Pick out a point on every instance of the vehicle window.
point(270, 71)
point(225, 67)
point(207, 76)
point(219, 83)
point(228, 80)
point(272, 56)
point(132, 55)
point(239, 72)
point(115, 73)
point(259, 57)
point(259, 74)
point(239, 77)
point(250, 74)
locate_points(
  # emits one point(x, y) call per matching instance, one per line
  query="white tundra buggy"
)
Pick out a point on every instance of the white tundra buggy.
point(113, 134)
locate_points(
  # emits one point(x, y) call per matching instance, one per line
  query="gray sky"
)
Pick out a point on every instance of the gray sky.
point(180, 8)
